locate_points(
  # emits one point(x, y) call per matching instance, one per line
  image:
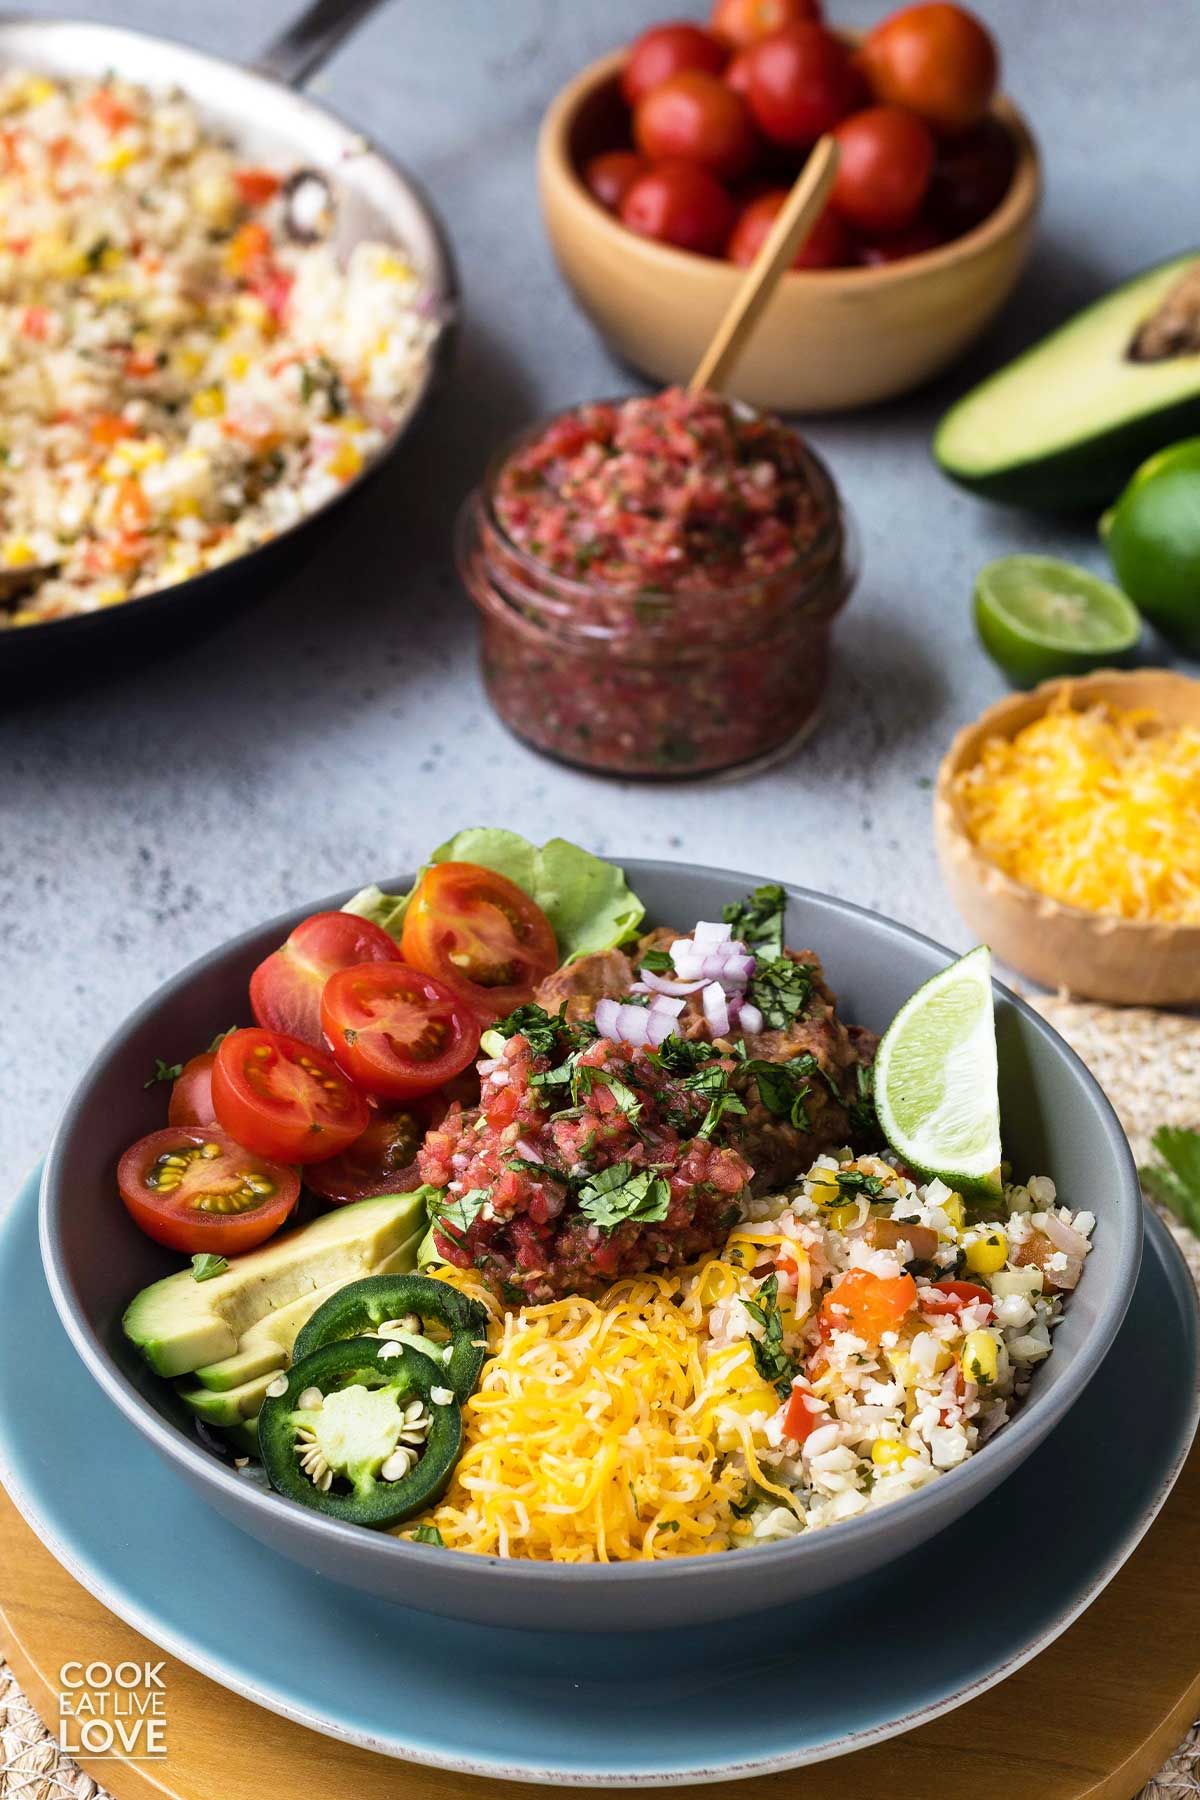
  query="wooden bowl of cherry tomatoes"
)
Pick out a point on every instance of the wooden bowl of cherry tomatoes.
point(661, 167)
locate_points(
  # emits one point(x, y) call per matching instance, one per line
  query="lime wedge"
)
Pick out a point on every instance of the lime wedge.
point(1039, 617)
point(935, 1078)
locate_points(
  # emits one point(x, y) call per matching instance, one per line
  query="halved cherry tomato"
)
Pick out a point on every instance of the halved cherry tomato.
point(285, 990)
point(481, 934)
point(800, 1419)
point(194, 1189)
point(282, 1098)
point(397, 1031)
point(663, 51)
point(868, 1305)
point(191, 1096)
point(109, 428)
point(382, 1161)
point(112, 113)
point(256, 186)
point(950, 1297)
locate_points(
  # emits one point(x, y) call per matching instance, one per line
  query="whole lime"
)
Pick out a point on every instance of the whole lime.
point(1152, 532)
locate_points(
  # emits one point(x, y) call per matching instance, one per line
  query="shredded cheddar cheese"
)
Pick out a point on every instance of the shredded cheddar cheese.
point(1098, 809)
point(594, 1433)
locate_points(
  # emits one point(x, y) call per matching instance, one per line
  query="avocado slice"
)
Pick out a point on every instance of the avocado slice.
point(180, 1325)
point(232, 1407)
point(1065, 425)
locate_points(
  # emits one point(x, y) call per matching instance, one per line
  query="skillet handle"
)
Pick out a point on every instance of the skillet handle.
point(309, 41)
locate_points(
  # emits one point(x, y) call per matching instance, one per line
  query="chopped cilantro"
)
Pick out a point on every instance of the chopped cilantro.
point(586, 1078)
point(770, 1358)
point(781, 989)
point(539, 1029)
point(680, 1056)
point(783, 1087)
point(658, 962)
point(428, 1534)
point(863, 1120)
point(205, 1265)
point(164, 1072)
point(853, 1181)
point(758, 920)
point(617, 1194)
point(454, 1218)
point(713, 1081)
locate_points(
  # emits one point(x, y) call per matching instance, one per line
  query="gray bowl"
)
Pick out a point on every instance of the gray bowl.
point(1056, 1122)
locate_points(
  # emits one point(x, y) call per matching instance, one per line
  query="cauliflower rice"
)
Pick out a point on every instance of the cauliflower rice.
point(180, 380)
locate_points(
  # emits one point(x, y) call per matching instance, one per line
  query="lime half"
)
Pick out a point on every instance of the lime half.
point(1039, 617)
point(935, 1078)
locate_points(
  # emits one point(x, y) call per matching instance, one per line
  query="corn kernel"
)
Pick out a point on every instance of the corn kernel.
point(209, 403)
point(987, 1254)
point(110, 596)
point(37, 89)
point(980, 1358)
point(955, 1211)
point(345, 462)
point(239, 364)
point(887, 1453)
point(18, 553)
point(823, 1187)
point(118, 158)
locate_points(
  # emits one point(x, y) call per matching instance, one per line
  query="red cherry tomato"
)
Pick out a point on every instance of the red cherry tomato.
point(284, 1098)
point(802, 81)
point(664, 51)
point(944, 1297)
point(867, 1304)
point(285, 990)
point(827, 245)
point(481, 935)
point(256, 186)
point(194, 1189)
point(971, 176)
point(609, 177)
point(382, 1161)
point(695, 117)
point(898, 246)
point(884, 169)
point(937, 60)
point(742, 22)
point(680, 204)
point(396, 1031)
point(191, 1095)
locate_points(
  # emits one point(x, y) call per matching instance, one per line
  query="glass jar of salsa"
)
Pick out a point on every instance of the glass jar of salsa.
point(657, 578)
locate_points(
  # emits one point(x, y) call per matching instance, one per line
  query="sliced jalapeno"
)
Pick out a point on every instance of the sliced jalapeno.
point(363, 1431)
point(394, 1300)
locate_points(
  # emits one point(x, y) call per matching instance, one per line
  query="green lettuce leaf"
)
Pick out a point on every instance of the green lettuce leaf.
point(587, 900)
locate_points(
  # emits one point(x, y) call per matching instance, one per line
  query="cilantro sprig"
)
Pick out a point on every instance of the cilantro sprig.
point(1175, 1183)
point(771, 1359)
point(617, 1194)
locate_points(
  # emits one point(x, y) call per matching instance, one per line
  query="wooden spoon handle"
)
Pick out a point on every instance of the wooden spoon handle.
point(792, 225)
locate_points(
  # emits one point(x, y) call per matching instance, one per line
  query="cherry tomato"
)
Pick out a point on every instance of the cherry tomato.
point(382, 1161)
point(680, 204)
point(256, 186)
point(191, 1095)
point(397, 1031)
point(609, 177)
point(884, 169)
point(866, 1304)
point(742, 22)
point(937, 59)
point(950, 1297)
point(695, 117)
point(971, 176)
point(194, 1189)
point(481, 935)
point(802, 81)
point(916, 239)
point(285, 990)
point(281, 1097)
point(664, 51)
point(800, 1419)
point(827, 245)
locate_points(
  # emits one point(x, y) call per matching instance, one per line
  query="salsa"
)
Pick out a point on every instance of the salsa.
point(663, 492)
point(657, 579)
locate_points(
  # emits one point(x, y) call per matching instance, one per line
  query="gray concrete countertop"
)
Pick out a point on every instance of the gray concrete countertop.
point(339, 730)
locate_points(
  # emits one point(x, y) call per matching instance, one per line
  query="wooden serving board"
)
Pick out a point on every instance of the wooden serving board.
point(1092, 1718)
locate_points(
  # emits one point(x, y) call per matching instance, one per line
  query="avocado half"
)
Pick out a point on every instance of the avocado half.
point(1065, 425)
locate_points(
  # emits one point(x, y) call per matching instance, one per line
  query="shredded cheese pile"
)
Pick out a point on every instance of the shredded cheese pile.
point(590, 1437)
point(1098, 809)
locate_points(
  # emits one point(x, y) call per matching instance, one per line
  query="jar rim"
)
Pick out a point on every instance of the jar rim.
point(829, 542)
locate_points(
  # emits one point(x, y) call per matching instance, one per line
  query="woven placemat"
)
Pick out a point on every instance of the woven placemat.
point(1149, 1065)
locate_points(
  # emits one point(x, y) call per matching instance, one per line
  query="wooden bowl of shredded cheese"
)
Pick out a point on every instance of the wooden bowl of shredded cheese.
point(1068, 830)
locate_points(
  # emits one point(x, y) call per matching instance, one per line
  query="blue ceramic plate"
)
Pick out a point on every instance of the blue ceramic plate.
point(771, 1692)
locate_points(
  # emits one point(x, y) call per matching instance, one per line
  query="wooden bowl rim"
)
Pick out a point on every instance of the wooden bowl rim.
point(1002, 719)
point(1014, 211)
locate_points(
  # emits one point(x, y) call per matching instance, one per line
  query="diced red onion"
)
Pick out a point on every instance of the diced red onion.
point(659, 1027)
point(1060, 1235)
point(656, 984)
point(716, 1009)
point(499, 1077)
point(625, 1024)
point(666, 1008)
point(739, 967)
point(527, 1151)
point(750, 1019)
point(486, 1064)
point(459, 1161)
point(708, 935)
